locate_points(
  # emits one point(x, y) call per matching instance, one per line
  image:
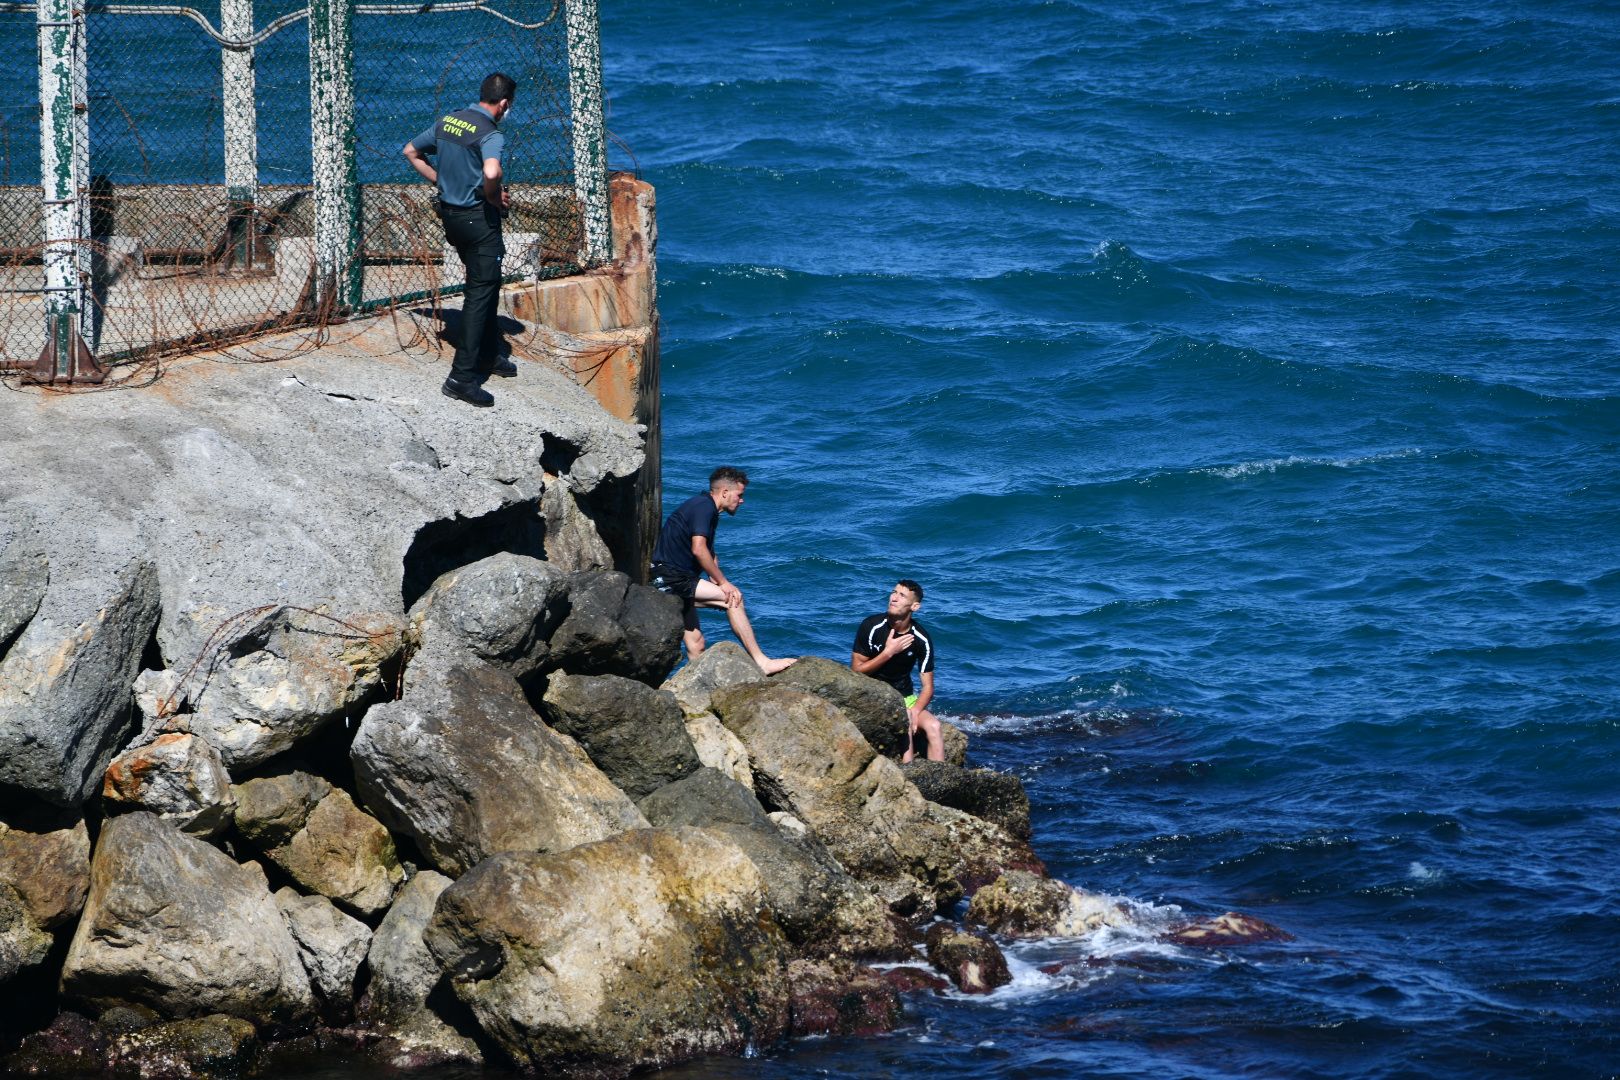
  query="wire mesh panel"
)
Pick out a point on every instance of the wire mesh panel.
point(203, 213)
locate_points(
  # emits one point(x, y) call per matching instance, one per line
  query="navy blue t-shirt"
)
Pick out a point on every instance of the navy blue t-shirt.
point(697, 516)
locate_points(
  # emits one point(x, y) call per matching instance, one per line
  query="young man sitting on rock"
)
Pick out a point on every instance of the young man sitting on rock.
point(887, 646)
point(685, 551)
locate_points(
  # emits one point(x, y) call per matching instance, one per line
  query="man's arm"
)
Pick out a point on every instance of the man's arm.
point(420, 163)
point(865, 665)
point(926, 694)
point(493, 147)
point(711, 566)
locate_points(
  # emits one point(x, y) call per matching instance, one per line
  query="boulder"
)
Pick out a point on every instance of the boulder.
point(970, 960)
point(45, 858)
point(271, 809)
point(994, 796)
point(823, 911)
point(721, 664)
point(71, 1046)
point(571, 541)
point(175, 924)
point(331, 945)
point(177, 776)
point(810, 760)
point(503, 608)
point(719, 749)
point(286, 675)
point(24, 574)
point(463, 766)
point(1232, 928)
point(875, 708)
point(204, 1047)
point(405, 996)
point(65, 701)
point(955, 744)
point(616, 628)
point(634, 734)
point(1025, 905)
point(22, 942)
point(643, 950)
point(840, 998)
point(908, 980)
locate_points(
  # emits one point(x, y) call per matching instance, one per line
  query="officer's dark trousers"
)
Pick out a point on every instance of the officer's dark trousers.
point(475, 233)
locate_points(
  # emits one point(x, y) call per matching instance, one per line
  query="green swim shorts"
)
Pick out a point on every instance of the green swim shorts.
point(911, 699)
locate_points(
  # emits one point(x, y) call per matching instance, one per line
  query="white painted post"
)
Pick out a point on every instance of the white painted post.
point(64, 169)
point(590, 141)
point(239, 86)
point(337, 189)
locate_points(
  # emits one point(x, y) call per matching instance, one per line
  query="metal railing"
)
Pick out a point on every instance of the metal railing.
point(202, 173)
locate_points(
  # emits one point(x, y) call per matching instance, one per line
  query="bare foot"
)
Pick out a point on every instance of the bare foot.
point(771, 667)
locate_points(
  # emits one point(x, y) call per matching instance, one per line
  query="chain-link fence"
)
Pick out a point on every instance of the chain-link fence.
point(198, 174)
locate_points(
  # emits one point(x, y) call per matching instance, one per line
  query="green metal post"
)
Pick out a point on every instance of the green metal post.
point(238, 82)
point(64, 162)
point(338, 271)
point(590, 141)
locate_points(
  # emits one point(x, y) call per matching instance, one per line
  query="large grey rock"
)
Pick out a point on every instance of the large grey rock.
point(177, 776)
point(405, 995)
point(571, 541)
point(175, 924)
point(196, 1049)
point(647, 949)
point(719, 749)
point(463, 766)
point(330, 943)
point(823, 911)
point(616, 628)
point(24, 574)
point(810, 760)
point(316, 834)
point(23, 943)
point(45, 858)
point(286, 675)
point(634, 734)
point(503, 608)
point(984, 793)
point(875, 708)
point(722, 664)
point(65, 699)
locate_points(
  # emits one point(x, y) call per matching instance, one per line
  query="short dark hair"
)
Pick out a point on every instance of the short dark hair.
point(497, 87)
point(916, 589)
point(727, 474)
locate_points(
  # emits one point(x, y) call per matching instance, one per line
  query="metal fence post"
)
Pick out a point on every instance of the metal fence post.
point(64, 168)
point(241, 132)
point(590, 143)
point(338, 270)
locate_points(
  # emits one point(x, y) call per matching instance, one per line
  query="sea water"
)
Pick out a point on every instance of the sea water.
point(1242, 382)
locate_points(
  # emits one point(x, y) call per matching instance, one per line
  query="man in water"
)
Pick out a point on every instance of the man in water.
point(685, 552)
point(468, 145)
point(887, 646)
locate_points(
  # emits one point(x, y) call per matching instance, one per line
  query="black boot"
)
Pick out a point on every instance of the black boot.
point(471, 393)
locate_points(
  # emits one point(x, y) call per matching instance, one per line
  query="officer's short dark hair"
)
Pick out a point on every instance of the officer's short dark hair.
point(497, 87)
point(727, 474)
point(916, 589)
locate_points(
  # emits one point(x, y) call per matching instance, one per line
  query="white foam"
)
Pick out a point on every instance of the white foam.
point(1272, 465)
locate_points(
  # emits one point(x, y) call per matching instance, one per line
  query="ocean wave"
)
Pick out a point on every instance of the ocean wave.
point(1269, 466)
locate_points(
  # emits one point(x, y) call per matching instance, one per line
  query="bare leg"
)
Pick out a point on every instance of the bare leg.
point(708, 595)
point(928, 724)
point(693, 640)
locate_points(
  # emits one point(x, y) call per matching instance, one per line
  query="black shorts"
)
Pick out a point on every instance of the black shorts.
point(676, 583)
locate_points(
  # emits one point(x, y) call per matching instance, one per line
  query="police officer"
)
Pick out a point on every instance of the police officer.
point(468, 145)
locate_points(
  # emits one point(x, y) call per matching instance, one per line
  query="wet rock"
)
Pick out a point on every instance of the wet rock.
point(204, 1047)
point(571, 541)
point(65, 701)
point(503, 609)
point(634, 734)
point(178, 777)
point(287, 675)
point(875, 708)
point(45, 858)
point(907, 980)
point(616, 628)
point(405, 983)
point(994, 796)
point(719, 749)
point(175, 924)
point(810, 760)
point(840, 998)
point(1232, 928)
point(954, 742)
point(463, 766)
point(647, 949)
point(722, 664)
point(971, 960)
point(22, 943)
point(1024, 905)
point(331, 945)
point(72, 1045)
point(823, 911)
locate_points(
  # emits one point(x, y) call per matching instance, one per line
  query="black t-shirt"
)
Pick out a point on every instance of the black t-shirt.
point(697, 516)
point(874, 633)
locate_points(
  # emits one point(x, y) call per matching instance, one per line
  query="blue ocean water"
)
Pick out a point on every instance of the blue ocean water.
point(1242, 381)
